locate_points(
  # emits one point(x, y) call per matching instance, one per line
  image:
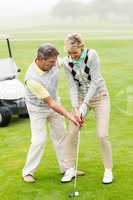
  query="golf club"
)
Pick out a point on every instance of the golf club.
point(75, 193)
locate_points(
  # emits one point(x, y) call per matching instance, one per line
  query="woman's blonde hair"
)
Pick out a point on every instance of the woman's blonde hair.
point(73, 40)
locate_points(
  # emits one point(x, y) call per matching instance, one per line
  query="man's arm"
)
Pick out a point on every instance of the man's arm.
point(59, 109)
point(38, 90)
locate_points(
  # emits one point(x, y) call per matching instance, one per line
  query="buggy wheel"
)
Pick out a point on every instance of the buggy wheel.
point(26, 115)
point(5, 116)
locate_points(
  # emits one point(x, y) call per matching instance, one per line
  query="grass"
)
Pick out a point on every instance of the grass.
point(116, 59)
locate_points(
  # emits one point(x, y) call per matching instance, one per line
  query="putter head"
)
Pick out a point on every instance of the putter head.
point(73, 194)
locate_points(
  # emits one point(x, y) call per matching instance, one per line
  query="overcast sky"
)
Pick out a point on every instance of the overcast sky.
point(13, 12)
point(22, 7)
point(27, 7)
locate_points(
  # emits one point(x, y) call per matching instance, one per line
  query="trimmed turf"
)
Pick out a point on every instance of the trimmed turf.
point(117, 68)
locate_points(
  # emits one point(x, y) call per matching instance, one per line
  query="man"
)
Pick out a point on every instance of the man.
point(43, 104)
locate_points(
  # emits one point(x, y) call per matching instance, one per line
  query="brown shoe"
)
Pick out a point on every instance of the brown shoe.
point(29, 178)
point(80, 173)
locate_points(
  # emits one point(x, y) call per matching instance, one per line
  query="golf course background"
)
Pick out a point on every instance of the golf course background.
point(115, 50)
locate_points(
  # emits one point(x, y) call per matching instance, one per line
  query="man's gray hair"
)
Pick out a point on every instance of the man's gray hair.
point(46, 51)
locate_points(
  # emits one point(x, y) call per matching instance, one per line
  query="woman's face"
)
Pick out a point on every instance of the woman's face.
point(74, 53)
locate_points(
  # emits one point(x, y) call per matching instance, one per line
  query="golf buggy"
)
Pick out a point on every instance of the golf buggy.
point(11, 89)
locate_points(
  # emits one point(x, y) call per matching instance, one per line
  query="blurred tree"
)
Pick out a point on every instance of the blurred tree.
point(103, 9)
point(69, 8)
point(126, 9)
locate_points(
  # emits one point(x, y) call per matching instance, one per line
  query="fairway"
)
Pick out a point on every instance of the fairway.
point(117, 69)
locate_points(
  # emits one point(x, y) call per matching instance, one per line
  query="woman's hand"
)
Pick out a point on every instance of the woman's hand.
point(83, 110)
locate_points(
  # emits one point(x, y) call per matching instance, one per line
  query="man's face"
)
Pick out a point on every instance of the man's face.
point(46, 65)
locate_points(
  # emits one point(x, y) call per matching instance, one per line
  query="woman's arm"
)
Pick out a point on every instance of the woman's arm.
point(73, 88)
point(94, 65)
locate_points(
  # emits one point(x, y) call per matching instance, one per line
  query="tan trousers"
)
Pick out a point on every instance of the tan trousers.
point(101, 108)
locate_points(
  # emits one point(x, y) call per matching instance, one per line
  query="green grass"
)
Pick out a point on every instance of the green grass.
point(116, 59)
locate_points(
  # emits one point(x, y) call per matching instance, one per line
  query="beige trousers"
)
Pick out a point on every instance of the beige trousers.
point(101, 108)
point(39, 135)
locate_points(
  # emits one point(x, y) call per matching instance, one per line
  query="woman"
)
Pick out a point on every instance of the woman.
point(87, 91)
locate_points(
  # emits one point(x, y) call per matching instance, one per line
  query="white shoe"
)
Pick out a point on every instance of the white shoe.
point(108, 176)
point(68, 176)
point(29, 178)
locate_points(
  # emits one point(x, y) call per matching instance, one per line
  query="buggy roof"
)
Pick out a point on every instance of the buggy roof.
point(8, 68)
point(4, 37)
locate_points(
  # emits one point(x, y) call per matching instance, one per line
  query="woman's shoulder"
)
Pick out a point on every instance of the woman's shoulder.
point(92, 52)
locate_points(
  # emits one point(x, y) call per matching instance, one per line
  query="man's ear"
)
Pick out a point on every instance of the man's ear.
point(59, 62)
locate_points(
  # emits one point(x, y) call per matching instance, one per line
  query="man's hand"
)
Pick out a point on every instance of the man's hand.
point(76, 120)
point(78, 117)
point(59, 109)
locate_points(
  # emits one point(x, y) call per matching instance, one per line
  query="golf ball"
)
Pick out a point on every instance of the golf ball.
point(73, 194)
point(76, 194)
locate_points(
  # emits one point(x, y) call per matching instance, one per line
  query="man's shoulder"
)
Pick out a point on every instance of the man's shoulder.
point(65, 59)
point(30, 73)
point(31, 66)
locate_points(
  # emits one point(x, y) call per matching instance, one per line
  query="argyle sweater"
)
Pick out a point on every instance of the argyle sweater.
point(84, 76)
